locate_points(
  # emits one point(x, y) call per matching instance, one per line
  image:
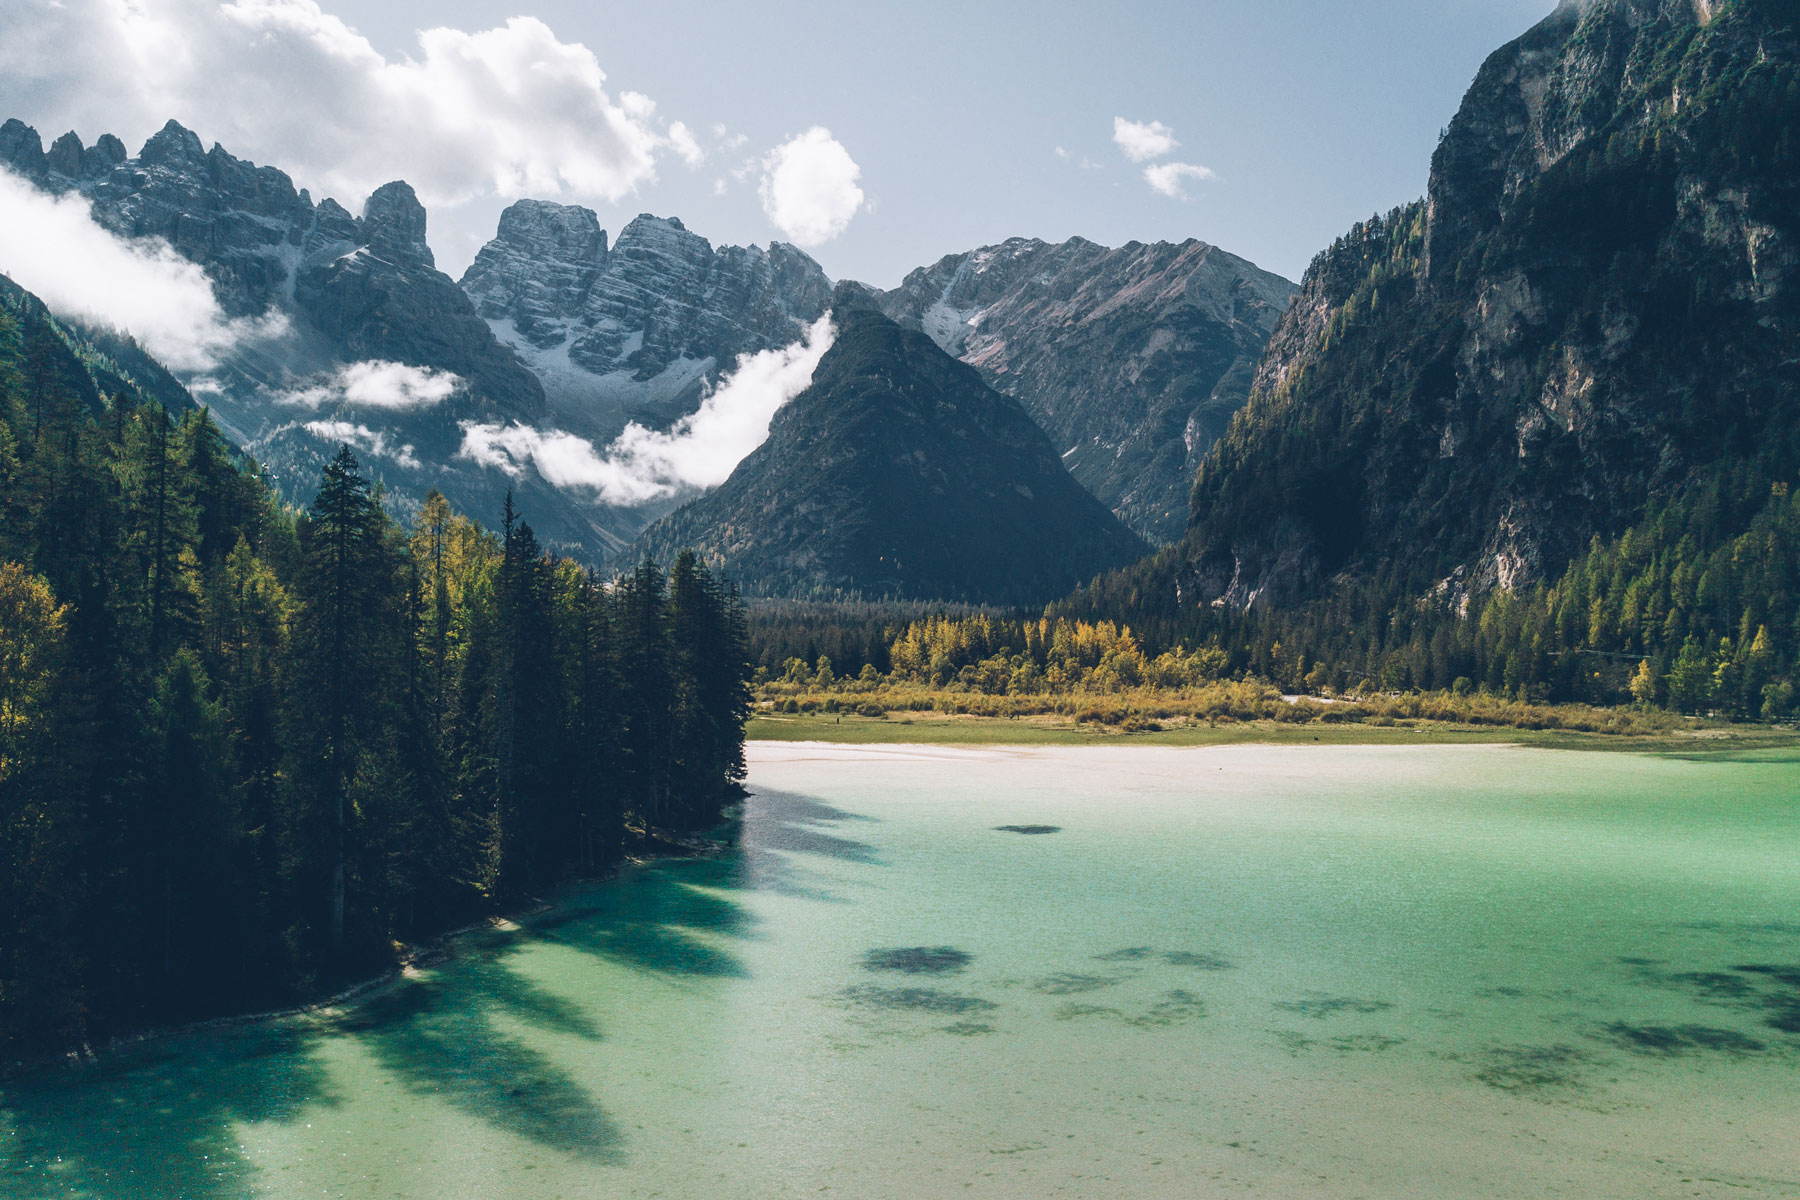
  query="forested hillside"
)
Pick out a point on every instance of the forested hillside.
point(898, 475)
point(245, 750)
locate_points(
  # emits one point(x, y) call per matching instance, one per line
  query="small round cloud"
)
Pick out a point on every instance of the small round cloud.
point(1142, 141)
point(809, 187)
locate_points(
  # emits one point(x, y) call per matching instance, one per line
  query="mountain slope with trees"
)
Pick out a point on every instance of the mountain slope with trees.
point(1540, 429)
point(244, 749)
point(898, 474)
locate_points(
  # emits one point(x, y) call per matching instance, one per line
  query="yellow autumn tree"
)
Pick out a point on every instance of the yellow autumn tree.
point(31, 637)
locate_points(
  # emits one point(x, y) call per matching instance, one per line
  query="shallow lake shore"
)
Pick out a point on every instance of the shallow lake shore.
point(927, 728)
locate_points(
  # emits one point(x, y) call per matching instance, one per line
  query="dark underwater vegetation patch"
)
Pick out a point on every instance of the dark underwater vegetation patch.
point(1128, 954)
point(918, 960)
point(1771, 989)
point(1715, 985)
point(1788, 974)
point(1365, 1043)
point(1527, 1069)
point(1320, 1007)
point(1029, 830)
point(1200, 962)
point(1066, 984)
point(918, 999)
point(1293, 1042)
point(1073, 1012)
point(1175, 1008)
point(1786, 1019)
point(969, 1028)
point(1669, 1041)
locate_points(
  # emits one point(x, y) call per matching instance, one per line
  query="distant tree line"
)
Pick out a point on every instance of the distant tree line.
point(1696, 609)
point(245, 750)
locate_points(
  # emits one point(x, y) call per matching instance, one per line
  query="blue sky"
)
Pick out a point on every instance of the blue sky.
point(1308, 115)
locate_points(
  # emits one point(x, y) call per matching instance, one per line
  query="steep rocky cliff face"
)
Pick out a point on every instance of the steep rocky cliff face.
point(1595, 308)
point(1133, 360)
point(635, 330)
point(898, 473)
point(348, 290)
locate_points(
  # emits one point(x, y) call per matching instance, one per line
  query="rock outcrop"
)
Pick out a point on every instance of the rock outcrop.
point(900, 474)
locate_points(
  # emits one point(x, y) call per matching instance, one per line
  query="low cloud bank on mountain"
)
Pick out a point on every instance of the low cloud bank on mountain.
point(361, 437)
point(52, 246)
point(642, 465)
point(809, 187)
point(379, 384)
point(510, 110)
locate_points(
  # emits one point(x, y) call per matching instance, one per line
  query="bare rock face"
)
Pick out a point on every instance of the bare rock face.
point(539, 268)
point(637, 330)
point(1594, 309)
point(1133, 360)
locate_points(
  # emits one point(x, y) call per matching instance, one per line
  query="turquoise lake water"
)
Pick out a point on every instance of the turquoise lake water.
point(1374, 972)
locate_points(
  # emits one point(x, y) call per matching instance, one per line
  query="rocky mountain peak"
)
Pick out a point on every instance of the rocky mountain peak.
point(394, 226)
point(65, 154)
point(537, 270)
point(174, 146)
point(1538, 100)
point(637, 330)
point(567, 232)
point(21, 148)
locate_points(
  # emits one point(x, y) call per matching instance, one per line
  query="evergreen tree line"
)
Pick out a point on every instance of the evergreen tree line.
point(244, 750)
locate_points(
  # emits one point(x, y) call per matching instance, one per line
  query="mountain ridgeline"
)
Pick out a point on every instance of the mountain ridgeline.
point(898, 474)
point(1539, 431)
point(324, 290)
point(244, 749)
point(1133, 360)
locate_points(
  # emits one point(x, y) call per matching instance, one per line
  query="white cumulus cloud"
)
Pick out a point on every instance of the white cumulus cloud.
point(809, 187)
point(51, 245)
point(641, 465)
point(683, 140)
point(361, 437)
point(379, 384)
point(511, 110)
point(1141, 141)
point(1168, 178)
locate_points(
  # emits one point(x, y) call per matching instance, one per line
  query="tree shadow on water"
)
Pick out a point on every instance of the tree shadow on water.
point(781, 829)
point(668, 918)
point(163, 1119)
point(157, 1120)
point(448, 1040)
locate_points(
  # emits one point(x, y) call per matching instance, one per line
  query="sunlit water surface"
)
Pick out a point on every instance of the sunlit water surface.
point(1378, 972)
